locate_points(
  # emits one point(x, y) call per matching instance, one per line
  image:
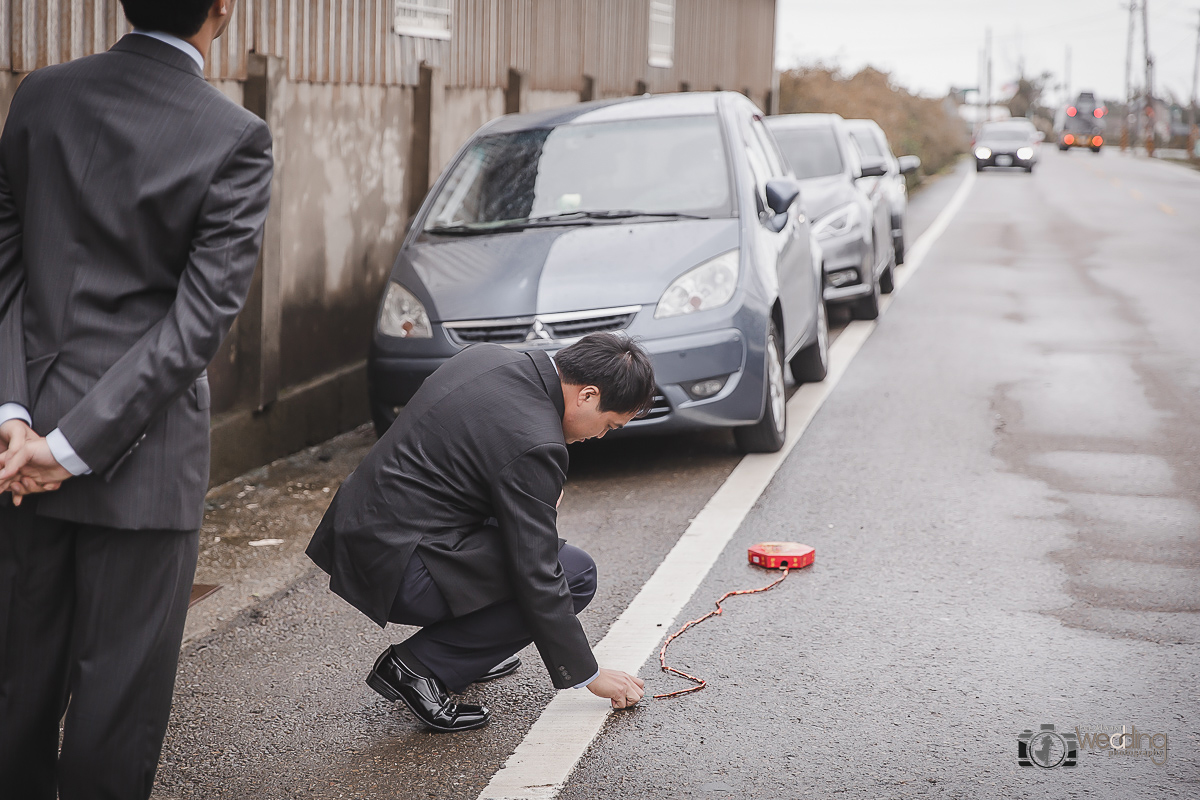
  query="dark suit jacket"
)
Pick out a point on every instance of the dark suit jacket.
point(482, 438)
point(132, 200)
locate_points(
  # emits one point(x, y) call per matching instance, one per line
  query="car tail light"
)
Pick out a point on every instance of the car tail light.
point(1099, 112)
point(1071, 111)
point(1068, 139)
point(1097, 141)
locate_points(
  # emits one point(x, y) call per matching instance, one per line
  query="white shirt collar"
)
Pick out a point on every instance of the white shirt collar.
point(176, 42)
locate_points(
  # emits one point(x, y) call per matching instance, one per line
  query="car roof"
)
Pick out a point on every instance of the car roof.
point(679, 104)
point(803, 120)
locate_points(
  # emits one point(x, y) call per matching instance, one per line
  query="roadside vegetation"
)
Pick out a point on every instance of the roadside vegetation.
point(914, 125)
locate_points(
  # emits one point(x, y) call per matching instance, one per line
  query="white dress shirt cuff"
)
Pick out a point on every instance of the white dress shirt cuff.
point(15, 411)
point(589, 680)
point(65, 455)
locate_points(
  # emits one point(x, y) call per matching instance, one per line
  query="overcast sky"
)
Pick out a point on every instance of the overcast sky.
point(931, 45)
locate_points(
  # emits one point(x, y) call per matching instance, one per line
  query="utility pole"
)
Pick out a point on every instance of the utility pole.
point(1149, 89)
point(1192, 130)
point(988, 77)
point(1128, 79)
point(1067, 75)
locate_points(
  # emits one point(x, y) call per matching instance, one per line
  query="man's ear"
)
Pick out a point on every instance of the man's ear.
point(588, 392)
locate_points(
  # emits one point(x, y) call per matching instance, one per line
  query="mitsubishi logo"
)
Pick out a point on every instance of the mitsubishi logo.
point(538, 332)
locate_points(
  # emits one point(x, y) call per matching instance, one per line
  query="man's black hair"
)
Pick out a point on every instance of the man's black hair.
point(616, 365)
point(182, 18)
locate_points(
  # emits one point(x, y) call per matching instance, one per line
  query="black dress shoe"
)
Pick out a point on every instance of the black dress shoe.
point(426, 697)
point(506, 667)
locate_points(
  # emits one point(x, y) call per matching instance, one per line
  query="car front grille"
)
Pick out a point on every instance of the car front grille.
point(660, 408)
point(565, 327)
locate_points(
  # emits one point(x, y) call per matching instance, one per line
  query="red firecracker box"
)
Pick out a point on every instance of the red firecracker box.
point(781, 555)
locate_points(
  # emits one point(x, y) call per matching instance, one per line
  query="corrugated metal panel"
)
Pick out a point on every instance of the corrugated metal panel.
point(726, 43)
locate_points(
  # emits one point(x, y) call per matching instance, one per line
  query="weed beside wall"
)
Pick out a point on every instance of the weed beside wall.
point(914, 125)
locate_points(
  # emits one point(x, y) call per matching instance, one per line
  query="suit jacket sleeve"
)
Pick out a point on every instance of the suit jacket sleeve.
point(108, 420)
point(13, 387)
point(524, 499)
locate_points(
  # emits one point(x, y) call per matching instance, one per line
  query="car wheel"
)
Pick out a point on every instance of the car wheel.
point(1029, 169)
point(887, 281)
point(868, 307)
point(767, 435)
point(811, 364)
point(1095, 149)
point(898, 242)
point(1063, 148)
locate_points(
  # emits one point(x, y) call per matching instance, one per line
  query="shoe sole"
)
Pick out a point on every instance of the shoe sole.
point(388, 693)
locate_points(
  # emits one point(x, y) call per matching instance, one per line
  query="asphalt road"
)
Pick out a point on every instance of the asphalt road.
point(1002, 494)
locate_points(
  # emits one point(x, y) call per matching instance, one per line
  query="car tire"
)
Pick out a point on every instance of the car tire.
point(898, 242)
point(868, 307)
point(1095, 149)
point(1029, 169)
point(978, 167)
point(768, 434)
point(811, 364)
point(1064, 148)
point(887, 281)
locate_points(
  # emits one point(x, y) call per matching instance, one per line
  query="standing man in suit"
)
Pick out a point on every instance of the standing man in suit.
point(132, 200)
point(449, 523)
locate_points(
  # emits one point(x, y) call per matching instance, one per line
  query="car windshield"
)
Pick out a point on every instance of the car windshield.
point(1006, 133)
point(660, 167)
point(867, 144)
point(812, 152)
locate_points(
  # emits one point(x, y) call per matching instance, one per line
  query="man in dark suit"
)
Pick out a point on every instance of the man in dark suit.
point(132, 200)
point(449, 523)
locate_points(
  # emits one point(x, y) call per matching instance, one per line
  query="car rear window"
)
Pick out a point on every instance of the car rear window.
point(812, 152)
point(1006, 133)
point(663, 165)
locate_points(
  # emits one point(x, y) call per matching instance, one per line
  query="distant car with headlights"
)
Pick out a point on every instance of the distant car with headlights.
point(670, 218)
point(1080, 123)
point(851, 222)
point(1011, 143)
point(873, 145)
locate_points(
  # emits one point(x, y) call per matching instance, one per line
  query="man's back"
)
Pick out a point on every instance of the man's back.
point(140, 192)
point(431, 479)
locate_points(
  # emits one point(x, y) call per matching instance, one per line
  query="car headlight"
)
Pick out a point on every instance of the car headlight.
point(710, 285)
point(403, 315)
point(837, 222)
point(1025, 153)
point(983, 152)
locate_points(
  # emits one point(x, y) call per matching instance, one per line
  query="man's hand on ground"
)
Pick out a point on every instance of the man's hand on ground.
point(623, 689)
point(27, 466)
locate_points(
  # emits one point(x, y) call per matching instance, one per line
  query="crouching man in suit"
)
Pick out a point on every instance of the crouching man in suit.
point(450, 523)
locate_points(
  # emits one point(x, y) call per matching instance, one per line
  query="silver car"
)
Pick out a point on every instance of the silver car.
point(672, 218)
point(873, 144)
point(851, 224)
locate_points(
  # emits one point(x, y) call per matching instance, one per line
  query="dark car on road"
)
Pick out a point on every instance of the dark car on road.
point(1011, 143)
point(1081, 123)
point(852, 228)
point(671, 218)
point(875, 149)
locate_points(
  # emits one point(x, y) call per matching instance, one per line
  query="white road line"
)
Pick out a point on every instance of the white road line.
point(541, 764)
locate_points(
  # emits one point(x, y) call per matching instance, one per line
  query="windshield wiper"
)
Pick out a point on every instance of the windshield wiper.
point(616, 214)
point(564, 218)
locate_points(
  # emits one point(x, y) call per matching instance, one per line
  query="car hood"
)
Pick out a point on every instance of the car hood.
point(819, 196)
point(561, 268)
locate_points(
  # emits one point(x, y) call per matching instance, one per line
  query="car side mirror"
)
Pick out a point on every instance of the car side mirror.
point(909, 164)
point(781, 194)
point(873, 170)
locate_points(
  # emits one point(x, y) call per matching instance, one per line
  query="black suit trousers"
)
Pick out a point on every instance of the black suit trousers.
point(461, 649)
point(91, 619)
